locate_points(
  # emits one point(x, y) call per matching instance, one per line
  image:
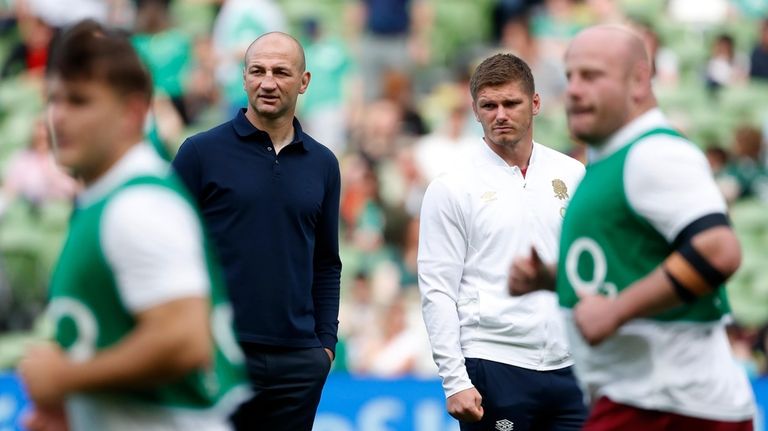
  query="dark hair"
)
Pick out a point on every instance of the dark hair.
point(725, 38)
point(501, 69)
point(88, 51)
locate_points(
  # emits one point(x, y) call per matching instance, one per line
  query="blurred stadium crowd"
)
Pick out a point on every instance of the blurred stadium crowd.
point(389, 95)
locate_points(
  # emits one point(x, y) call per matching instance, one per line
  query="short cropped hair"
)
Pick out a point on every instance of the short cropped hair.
point(501, 69)
point(88, 51)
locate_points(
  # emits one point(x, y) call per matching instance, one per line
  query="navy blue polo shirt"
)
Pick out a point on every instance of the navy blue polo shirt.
point(274, 221)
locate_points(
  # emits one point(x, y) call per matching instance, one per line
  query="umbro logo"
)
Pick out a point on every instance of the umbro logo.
point(488, 196)
point(505, 425)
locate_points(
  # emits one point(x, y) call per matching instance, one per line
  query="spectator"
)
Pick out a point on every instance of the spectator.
point(725, 67)
point(664, 61)
point(718, 162)
point(394, 37)
point(202, 89)
point(547, 70)
point(238, 23)
point(33, 174)
point(758, 68)
point(394, 351)
point(357, 319)
point(324, 107)
point(379, 131)
point(165, 50)
point(746, 165)
point(30, 54)
point(447, 146)
point(555, 22)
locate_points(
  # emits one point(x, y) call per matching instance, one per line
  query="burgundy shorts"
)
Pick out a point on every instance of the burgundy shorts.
point(608, 416)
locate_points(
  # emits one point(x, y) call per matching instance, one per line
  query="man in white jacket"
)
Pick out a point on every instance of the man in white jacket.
point(503, 360)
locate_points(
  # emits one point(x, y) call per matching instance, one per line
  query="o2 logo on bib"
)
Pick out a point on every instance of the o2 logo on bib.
point(83, 345)
point(597, 284)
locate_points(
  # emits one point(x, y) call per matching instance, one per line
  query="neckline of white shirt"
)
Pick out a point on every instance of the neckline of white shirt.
point(489, 156)
point(651, 119)
point(140, 159)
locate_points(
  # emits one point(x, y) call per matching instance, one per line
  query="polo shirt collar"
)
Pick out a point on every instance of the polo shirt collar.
point(244, 128)
point(490, 157)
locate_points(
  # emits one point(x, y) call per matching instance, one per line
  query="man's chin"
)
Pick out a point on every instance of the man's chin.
point(270, 112)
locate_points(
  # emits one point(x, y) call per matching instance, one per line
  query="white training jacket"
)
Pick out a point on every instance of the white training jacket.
point(475, 219)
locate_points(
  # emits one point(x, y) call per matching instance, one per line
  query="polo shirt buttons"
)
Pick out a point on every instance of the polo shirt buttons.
point(277, 162)
point(269, 148)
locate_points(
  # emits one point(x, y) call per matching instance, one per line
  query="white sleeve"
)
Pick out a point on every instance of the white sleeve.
point(442, 248)
point(669, 182)
point(152, 239)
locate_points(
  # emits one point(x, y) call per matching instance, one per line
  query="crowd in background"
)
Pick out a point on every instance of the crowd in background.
point(389, 95)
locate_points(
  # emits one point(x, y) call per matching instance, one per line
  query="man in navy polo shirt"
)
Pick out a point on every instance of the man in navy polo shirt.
point(269, 194)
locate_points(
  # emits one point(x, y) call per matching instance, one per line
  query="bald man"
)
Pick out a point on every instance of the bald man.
point(269, 195)
point(645, 249)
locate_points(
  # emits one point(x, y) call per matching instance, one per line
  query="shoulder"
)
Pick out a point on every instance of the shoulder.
point(148, 218)
point(146, 202)
point(665, 149)
point(560, 161)
point(451, 184)
point(211, 136)
point(319, 150)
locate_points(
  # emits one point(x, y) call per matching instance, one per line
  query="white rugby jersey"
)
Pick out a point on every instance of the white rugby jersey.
point(475, 220)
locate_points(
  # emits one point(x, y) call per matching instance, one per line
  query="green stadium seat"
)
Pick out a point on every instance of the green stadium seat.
point(748, 289)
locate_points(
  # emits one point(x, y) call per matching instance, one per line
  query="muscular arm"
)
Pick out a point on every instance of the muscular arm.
point(169, 341)
point(599, 317)
point(655, 293)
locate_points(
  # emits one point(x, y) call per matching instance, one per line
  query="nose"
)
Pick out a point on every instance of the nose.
point(573, 87)
point(501, 114)
point(268, 83)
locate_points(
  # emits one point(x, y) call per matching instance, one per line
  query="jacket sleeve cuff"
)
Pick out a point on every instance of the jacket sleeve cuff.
point(456, 388)
point(328, 341)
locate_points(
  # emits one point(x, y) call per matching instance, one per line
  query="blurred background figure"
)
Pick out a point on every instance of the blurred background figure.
point(33, 175)
point(759, 59)
point(665, 63)
point(725, 66)
point(393, 36)
point(29, 55)
point(324, 106)
point(237, 24)
point(165, 50)
point(392, 351)
point(746, 164)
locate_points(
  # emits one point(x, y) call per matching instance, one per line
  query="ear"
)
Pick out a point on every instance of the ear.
point(641, 80)
point(136, 109)
point(474, 109)
point(305, 78)
point(536, 104)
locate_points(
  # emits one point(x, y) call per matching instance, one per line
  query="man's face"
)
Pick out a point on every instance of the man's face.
point(87, 119)
point(273, 77)
point(506, 113)
point(598, 97)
